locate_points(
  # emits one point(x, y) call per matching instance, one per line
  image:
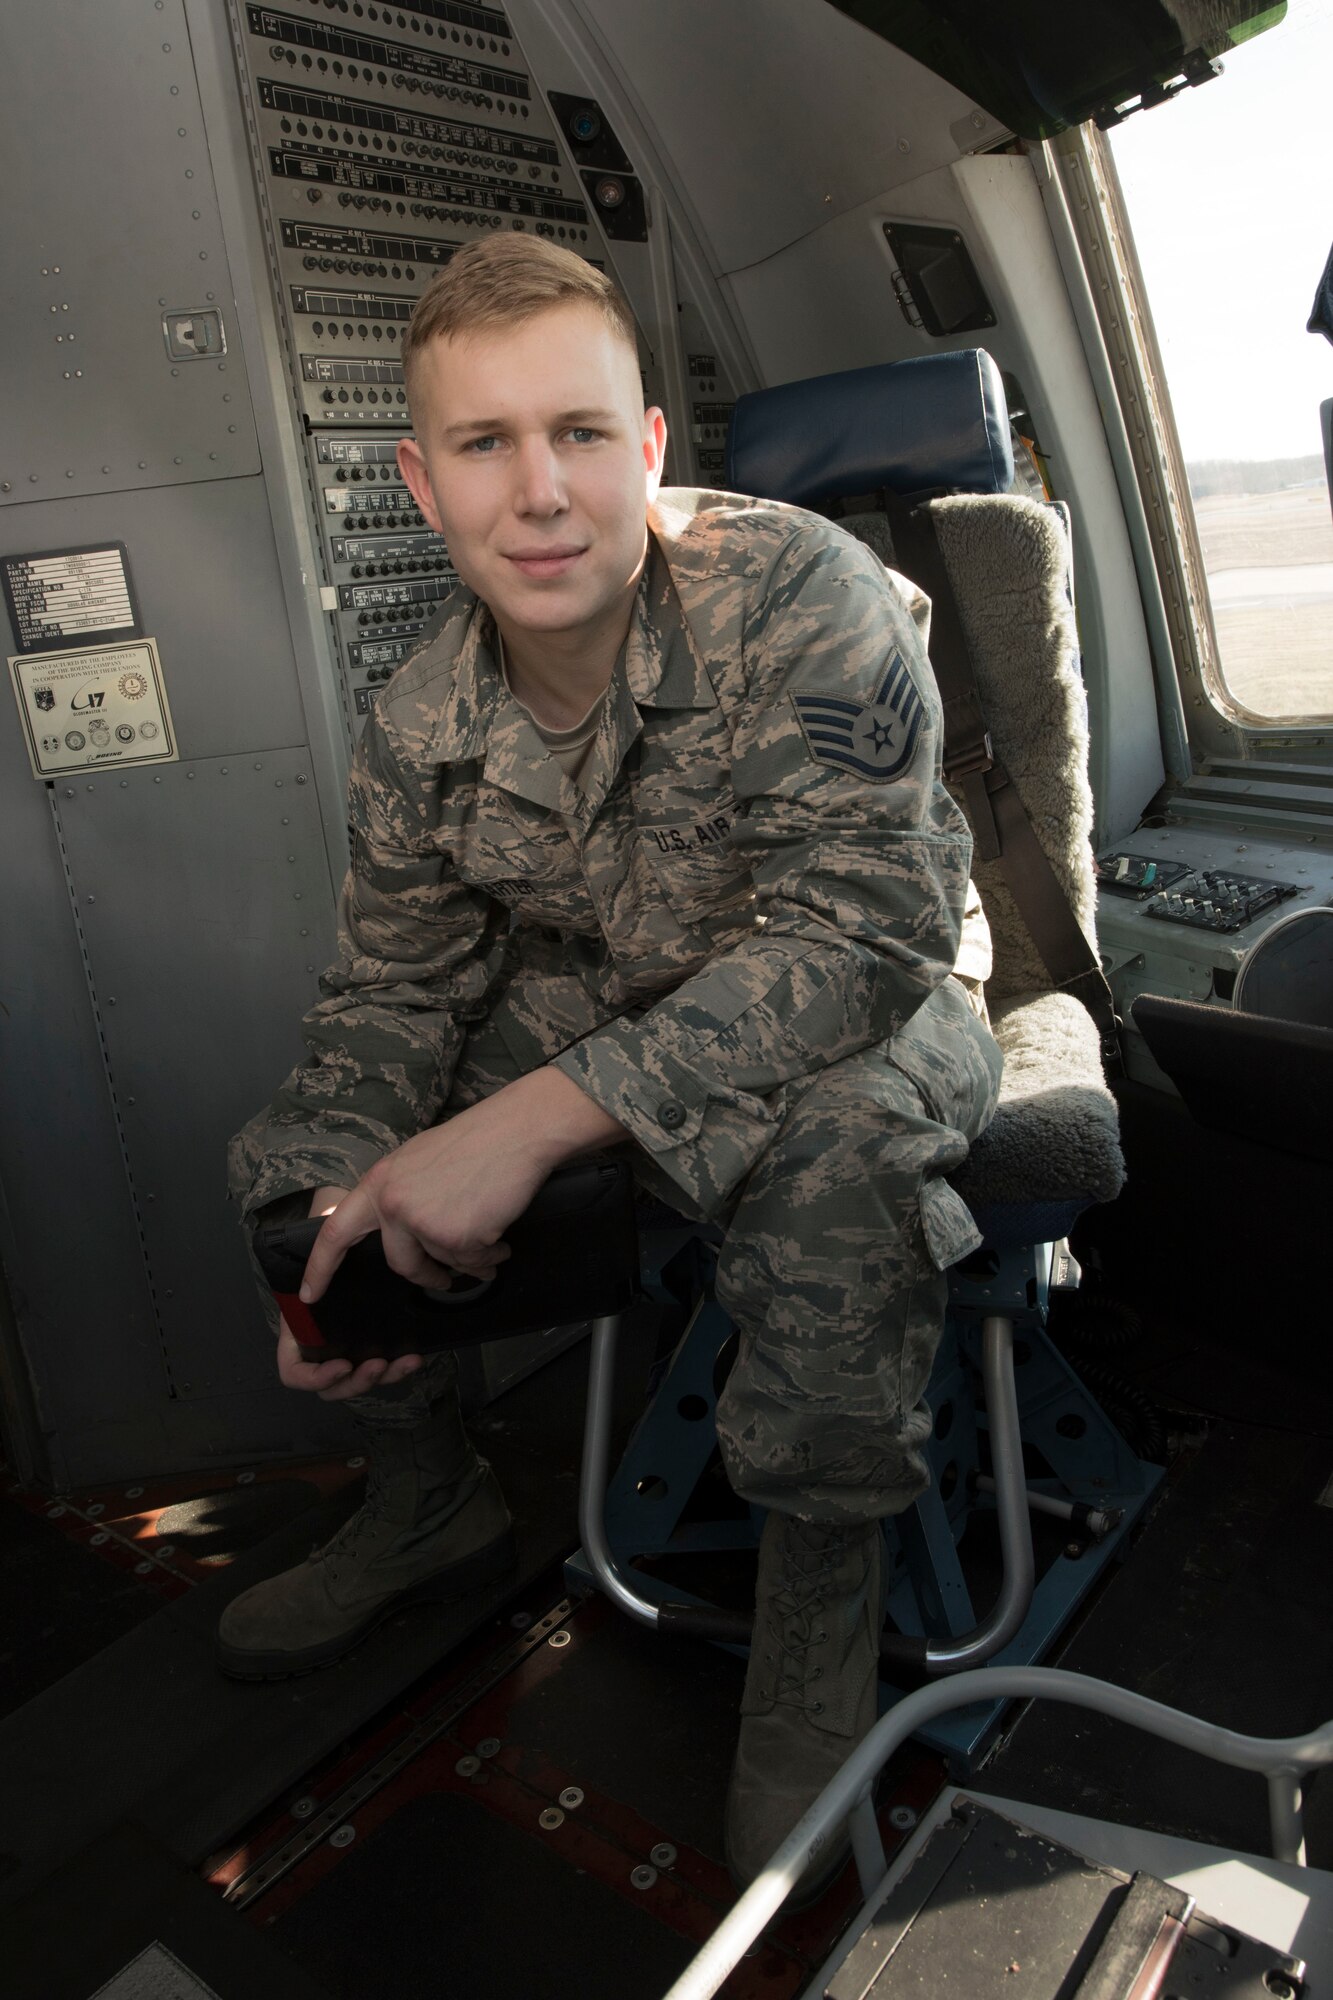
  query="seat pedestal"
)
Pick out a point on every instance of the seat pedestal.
point(1087, 1468)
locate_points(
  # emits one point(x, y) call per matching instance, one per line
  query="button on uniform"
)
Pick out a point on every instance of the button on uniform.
point(671, 1115)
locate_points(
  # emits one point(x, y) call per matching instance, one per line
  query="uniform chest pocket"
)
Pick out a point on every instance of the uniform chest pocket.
point(511, 863)
point(696, 865)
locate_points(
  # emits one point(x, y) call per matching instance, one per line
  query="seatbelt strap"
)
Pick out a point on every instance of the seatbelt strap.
point(1001, 828)
point(969, 754)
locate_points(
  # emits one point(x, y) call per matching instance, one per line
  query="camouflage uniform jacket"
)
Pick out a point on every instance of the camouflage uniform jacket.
point(759, 873)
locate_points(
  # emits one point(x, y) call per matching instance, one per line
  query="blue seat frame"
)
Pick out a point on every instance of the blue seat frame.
point(1092, 1473)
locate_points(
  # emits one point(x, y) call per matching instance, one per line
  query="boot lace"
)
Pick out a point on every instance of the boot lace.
point(342, 1546)
point(809, 1554)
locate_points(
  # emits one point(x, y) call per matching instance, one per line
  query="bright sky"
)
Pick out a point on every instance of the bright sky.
point(1230, 194)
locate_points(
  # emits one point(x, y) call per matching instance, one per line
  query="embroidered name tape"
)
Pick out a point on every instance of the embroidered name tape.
point(875, 739)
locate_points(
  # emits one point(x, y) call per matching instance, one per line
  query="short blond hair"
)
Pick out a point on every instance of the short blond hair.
point(503, 282)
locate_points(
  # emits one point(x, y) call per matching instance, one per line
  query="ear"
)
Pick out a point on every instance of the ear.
point(654, 449)
point(412, 465)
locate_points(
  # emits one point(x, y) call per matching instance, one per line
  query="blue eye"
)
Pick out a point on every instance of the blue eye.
point(483, 446)
point(582, 434)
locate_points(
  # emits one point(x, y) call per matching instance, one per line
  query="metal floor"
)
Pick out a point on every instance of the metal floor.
point(523, 1795)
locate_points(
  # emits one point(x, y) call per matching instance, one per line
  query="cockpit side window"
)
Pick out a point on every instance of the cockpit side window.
point(1229, 193)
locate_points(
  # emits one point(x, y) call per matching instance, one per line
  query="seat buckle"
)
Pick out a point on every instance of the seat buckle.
point(975, 760)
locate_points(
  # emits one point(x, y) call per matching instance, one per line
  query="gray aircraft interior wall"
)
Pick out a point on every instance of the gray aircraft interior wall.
point(287, 179)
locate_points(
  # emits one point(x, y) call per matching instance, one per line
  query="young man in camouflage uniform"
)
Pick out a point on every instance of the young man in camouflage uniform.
point(649, 847)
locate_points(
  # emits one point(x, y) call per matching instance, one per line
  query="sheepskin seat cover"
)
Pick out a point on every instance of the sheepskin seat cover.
point(1055, 1136)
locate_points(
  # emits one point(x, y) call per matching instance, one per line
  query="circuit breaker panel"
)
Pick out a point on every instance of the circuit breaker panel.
point(385, 138)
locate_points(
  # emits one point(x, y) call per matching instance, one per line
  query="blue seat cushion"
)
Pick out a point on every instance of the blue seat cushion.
point(938, 423)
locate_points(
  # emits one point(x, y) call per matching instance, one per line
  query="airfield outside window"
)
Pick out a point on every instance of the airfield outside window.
point(1228, 194)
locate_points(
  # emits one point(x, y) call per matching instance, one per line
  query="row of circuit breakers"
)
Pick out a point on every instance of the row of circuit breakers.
point(386, 137)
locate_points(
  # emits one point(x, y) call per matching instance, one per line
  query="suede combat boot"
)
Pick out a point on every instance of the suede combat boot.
point(811, 1692)
point(432, 1527)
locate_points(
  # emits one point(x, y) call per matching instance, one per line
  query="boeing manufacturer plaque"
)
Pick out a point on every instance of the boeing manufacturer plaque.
point(100, 706)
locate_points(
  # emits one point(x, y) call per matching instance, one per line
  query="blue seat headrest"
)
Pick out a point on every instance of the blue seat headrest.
point(939, 422)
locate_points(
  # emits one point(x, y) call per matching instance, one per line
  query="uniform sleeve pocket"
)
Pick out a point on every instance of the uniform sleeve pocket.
point(951, 1233)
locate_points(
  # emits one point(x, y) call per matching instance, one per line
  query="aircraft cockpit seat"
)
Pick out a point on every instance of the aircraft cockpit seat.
point(915, 458)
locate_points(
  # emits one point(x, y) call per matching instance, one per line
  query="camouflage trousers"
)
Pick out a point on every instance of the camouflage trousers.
point(832, 1266)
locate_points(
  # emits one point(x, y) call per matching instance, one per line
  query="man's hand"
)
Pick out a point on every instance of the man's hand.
point(335, 1381)
point(444, 1199)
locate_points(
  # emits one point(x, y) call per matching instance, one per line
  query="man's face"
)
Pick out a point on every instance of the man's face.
point(536, 461)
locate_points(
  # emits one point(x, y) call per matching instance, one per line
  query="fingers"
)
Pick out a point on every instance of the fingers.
point(337, 1381)
point(406, 1254)
point(353, 1218)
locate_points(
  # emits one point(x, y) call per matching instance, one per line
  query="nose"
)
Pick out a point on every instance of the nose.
point(539, 486)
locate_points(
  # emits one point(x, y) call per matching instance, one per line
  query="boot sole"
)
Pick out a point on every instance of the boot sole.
point(485, 1566)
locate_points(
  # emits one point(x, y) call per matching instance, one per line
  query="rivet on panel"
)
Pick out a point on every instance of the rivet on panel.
point(177, 461)
point(143, 465)
point(278, 783)
point(300, 781)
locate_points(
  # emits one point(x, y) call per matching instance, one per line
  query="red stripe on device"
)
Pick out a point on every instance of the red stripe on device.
point(305, 1329)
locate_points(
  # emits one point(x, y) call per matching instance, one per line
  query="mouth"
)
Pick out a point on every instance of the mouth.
point(544, 563)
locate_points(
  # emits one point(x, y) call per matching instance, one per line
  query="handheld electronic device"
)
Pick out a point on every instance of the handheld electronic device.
point(574, 1256)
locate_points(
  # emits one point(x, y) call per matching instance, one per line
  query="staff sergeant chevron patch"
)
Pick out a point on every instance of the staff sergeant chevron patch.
point(874, 739)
